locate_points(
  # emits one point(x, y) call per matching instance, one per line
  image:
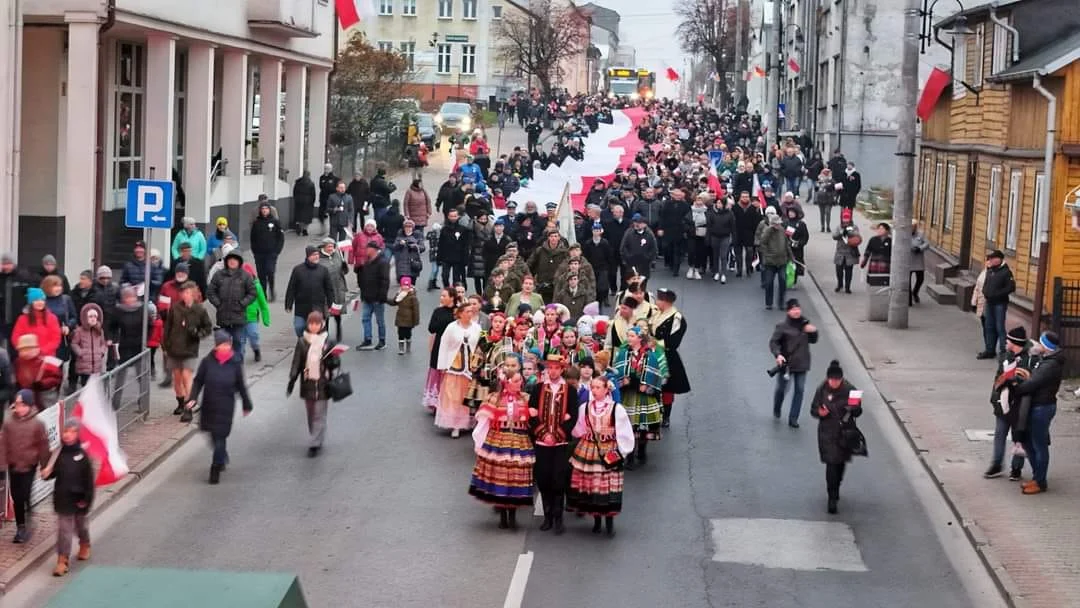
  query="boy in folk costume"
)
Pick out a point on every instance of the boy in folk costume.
point(668, 327)
point(553, 410)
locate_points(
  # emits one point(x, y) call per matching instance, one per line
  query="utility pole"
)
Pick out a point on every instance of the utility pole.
point(900, 270)
point(772, 112)
point(740, 63)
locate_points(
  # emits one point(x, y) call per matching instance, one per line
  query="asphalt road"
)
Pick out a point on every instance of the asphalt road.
point(729, 511)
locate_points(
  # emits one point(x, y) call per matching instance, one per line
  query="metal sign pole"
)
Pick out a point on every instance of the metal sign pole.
point(146, 282)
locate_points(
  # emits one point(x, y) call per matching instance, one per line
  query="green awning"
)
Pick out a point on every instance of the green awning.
point(108, 587)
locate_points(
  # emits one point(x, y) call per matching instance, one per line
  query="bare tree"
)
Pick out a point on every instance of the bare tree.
point(710, 28)
point(541, 41)
point(366, 82)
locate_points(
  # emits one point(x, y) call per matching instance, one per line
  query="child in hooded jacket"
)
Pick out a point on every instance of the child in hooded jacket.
point(88, 343)
point(408, 314)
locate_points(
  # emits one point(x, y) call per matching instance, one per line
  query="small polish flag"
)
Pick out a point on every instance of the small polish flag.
point(338, 350)
point(52, 362)
point(759, 72)
point(164, 301)
point(335, 309)
point(793, 65)
point(99, 434)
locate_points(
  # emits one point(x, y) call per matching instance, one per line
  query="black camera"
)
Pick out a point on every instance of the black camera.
point(776, 370)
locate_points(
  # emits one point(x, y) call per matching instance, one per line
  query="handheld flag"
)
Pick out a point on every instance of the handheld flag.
point(98, 433)
point(793, 65)
point(759, 72)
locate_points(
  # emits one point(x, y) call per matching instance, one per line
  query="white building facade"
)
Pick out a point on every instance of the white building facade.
point(109, 90)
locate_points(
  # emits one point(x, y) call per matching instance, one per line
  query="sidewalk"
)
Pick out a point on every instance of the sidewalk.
point(939, 393)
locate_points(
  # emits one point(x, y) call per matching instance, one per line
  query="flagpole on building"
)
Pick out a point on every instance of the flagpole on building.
point(904, 194)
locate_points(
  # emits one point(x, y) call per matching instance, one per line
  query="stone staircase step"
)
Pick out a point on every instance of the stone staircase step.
point(941, 294)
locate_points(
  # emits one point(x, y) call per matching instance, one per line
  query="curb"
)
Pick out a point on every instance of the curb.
point(1010, 591)
point(110, 495)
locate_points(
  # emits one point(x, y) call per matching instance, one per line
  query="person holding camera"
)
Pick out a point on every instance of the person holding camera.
point(790, 344)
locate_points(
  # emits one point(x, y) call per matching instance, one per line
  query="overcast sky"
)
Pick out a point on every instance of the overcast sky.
point(649, 26)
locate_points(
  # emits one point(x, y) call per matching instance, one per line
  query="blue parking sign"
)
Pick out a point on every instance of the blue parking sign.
point(149, 203)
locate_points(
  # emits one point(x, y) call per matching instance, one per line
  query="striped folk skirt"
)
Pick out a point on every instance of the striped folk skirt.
point(645, 413)
point(452, 412)
point(503, 474)
point(594, 490)
point(431, 389)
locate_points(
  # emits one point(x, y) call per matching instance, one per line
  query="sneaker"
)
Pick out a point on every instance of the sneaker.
point(984, 355)
point(690, 273)
point(381, 345)
point(1014, 475)
point(697, 274)
point(793, 424)
point(993, 472)
point(365, 345)
point(20, 535)
point(716, 277)
point(723, 279)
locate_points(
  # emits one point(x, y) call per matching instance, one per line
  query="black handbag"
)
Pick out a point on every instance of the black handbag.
point(852, 439)
point(339, 387)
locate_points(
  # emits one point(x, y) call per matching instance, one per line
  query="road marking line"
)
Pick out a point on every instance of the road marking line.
point(516, 595)
point(790, 544)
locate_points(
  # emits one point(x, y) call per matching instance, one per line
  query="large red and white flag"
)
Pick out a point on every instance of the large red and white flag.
point(351, 12)
point(98, 433)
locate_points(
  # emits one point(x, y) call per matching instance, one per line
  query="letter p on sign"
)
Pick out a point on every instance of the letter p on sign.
point(150, 199)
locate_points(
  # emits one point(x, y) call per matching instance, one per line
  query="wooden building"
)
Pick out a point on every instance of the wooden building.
point(981, 172)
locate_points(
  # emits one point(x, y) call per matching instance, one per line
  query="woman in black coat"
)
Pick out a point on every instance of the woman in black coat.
point(222, 375)
point(836, 409)
point(304, 197)
point(668, 328)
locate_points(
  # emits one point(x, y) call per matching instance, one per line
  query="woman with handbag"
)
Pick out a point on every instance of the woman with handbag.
point(836, 405)
point(503, 474)
point(314, 361)
point(605, 437)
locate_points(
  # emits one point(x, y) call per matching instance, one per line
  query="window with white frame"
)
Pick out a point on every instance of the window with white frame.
point(446, 9)
point(129, 95)
point(980, 55)
point(496, 12)
point(924, 187)
point(386, 7)
point(468, 59)
point(443, 53)
point(939, 170)
point(1012, 221)
point(386, 46)
point(408, 52)
point(1038, 222)
point(950, 196)
point(1000, 57)
point(468, 9)
point(408, 8)
point(180, 110)
point(993, 206)
point(959, 66)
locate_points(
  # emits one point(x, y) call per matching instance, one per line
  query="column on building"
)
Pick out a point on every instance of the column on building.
point(270, 123)
point(9, 117)
point(317, 116)
point(234, 120)
point(78, 187)
point(198, 129)
point(160, 118)
point(295, 112)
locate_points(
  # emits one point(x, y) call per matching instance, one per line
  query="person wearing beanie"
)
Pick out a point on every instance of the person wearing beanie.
point(73, 496)
point(408, 313)
point(407, 247)
point(668, 327)
point(338, 269)
point(836, 405)
point(310, 288)
point(191, 236)
point(600, 255)
point(14, 281)
point(219, 379)
point(877, 259)
point(125, 328)
point(50, 267)
point(790, 345)
point(231, 291)
point(38, 320)
point(24, 446)
point(313, 364)
point(340, 209)
point(219, 237)
point(186, 324)
point(134, 272)
point(1041, 386)
point(374, 282)
point(774, 252)
point(1007, 405)
point(63, 307)
point(369, 233)
point(997, 286)
point(267, 236)
point(846, 256)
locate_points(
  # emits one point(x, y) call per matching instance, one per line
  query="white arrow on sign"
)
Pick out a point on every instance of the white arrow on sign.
point(158, 218)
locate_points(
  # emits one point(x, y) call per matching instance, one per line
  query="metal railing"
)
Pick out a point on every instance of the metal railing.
point(1065, 320)
point(363, 157)
point(127, 387)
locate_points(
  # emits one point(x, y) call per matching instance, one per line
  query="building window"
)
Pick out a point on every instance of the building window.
point(934, 202)
point(386, 7)
point(443, 53)
point(446, 9)
point(180, 109)
point(129, 91)
point(959, 66)
point(496, 12)
point(408, 8)
point(980, 55)
point(468, 59)
point(950, 196)
point(993, 206)
point(386, 46)
point(1012, 226)
point(1000, 58)
point(1038, 223)
point(837, 81)
point(468, 9)
point(408, 52)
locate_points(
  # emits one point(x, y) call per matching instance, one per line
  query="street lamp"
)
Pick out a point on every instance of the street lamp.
point(960, 28)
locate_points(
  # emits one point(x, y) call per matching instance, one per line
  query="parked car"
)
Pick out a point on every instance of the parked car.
point(430, 131)
point(454, 115)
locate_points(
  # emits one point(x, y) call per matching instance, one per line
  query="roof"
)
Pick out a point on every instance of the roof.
point(979, 8)
point(1046, 60)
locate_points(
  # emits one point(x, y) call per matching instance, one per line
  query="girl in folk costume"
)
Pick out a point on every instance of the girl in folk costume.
point(455, 352)
point(640, 373)
point(518, 332)
point(441, 318)
point(548, 332)
point(503, 474)
point(668, 328)
point(605, 437)
point(553, 411)
point(485, 362)
point(573, 352)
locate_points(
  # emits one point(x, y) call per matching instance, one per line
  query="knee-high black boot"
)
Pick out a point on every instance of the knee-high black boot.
point(504, 519)
point(512, 519)
point(558, 508)
point(596, 524)
point(549, 516)
point(610, 523)
point(642, 451)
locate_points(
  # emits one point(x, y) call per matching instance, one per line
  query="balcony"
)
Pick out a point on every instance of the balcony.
point(285, 18)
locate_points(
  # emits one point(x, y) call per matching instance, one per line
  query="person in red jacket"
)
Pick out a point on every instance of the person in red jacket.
point(36, 319)
point(37, 372)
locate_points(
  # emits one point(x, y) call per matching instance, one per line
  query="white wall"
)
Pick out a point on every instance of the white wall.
point(59, 7)
point(43, 73)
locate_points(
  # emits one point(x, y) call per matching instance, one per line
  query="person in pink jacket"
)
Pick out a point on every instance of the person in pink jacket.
point(370, 233)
